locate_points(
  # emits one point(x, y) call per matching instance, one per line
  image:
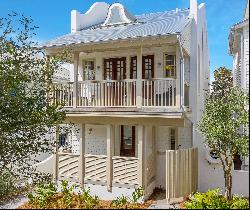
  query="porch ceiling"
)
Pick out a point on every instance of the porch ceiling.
point(176, 119)
point(113, 45)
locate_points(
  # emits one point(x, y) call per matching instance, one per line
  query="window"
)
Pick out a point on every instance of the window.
point(89, 70)
point(133, 68)
point(127, 141)
point(170, 65)
point(172, 138)
point(62, 140)
point(186, 95)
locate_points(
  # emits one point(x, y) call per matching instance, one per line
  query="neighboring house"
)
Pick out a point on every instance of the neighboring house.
point(210, 170)
point(138, 92)
point(239, 49)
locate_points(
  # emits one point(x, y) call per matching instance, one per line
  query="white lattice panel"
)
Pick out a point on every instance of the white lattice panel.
point(95, 168)
point(125, 170)
point(68, 166)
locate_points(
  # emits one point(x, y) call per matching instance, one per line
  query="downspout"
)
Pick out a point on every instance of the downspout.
point(181, 73)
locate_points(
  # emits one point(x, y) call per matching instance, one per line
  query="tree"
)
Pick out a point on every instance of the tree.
point(27, 117)
point(224, 123)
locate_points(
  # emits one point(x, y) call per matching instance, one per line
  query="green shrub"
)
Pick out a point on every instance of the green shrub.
point(126, 202)
point(120, 202)
point(67, 193)
point(89, 201)
point(213, 199)
point(44, 193)
point(137, 195)
point(239, 202)
point(7, 184)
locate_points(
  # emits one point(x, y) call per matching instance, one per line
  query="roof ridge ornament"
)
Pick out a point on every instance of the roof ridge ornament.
point(117, 14)
point(96, 14)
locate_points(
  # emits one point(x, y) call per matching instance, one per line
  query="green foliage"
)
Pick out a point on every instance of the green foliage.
point(43, 195)
point(126, 202)
point(67, 193)
point(27, 115)
point(239, 202)
point(224, 122)
point(121, 201)
point(137, 195)
point(213, 199)
point(7, 184)
point(89, 201)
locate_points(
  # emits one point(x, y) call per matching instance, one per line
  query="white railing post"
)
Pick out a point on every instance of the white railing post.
point(139, 79)
point(55, 155)
point(75, 88)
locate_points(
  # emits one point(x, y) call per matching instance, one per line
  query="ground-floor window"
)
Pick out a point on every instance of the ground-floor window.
point(172, 138)
point(127, 148)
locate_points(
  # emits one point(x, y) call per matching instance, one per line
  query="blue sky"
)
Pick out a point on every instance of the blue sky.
point(53, 18)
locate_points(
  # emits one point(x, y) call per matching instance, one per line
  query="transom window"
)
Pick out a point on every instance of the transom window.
point(89, 70)
point(170, 65)
point(127, 148)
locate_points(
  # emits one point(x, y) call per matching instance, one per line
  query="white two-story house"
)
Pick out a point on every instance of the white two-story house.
point(138, 91)
point(239, 49)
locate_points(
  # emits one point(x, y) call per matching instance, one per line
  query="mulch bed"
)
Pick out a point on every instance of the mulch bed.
point(77, 205)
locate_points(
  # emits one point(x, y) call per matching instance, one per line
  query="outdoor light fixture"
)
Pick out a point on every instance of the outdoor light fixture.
point(90, 131)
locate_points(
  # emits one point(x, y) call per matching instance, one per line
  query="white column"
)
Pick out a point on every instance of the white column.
point(55, 155)
point(141, 156)
point(82, 155)
point(110, 154)
point(139, 79)
point(75, 88)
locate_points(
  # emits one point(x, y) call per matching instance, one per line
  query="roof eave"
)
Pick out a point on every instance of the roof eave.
point(134, 39)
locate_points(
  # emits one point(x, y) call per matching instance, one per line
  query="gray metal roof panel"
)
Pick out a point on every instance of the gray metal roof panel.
point(153, 24)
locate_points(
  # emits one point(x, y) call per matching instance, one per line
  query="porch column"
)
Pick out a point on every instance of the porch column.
point(55, 155)
point(141, 157)
point(75, 86)
point(110, 154)
point(139, 79)
point(82, 155)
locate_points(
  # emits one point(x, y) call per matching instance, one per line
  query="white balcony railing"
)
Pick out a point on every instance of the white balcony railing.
point(107, 93)
point(159, 92)
point(154, 93)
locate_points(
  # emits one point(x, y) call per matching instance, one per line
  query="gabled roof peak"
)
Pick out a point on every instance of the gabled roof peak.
point(102, 14)
point(118, 14)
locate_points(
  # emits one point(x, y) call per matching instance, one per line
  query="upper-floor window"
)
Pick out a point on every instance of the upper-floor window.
point(170, 65)
point(89, 70)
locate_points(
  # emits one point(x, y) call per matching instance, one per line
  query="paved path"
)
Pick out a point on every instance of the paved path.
point(163, 206)
point(16, 202)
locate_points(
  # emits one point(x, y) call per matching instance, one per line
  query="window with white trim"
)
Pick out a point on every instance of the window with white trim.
point(89, 70)
point(170, 65)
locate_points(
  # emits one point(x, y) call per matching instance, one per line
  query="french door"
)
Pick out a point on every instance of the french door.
point(148, 74)
point(115, 72)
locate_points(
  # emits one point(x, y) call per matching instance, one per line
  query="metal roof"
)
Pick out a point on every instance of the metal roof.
point(153, 24)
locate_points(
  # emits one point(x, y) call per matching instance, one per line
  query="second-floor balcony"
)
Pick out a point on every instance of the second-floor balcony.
point(162, 92)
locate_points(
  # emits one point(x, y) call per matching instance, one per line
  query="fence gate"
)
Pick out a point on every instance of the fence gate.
point(181, 173)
